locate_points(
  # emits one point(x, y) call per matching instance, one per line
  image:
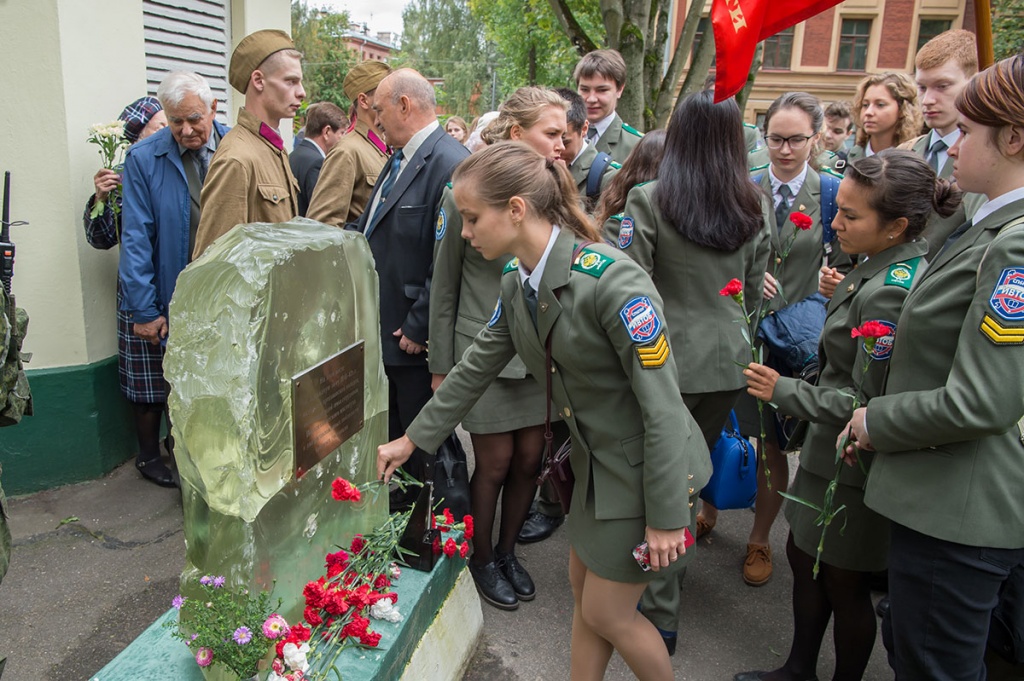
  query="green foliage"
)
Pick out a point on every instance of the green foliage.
point(1007, 27)
point(325, 59)
point(442, 39)
point(533, 47)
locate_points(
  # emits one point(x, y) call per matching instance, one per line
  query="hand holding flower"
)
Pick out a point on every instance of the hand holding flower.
point(771, 286)
point(105, 180)
point(393, 454)
point(761, 381)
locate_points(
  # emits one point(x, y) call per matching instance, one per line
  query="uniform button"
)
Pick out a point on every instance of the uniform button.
point(567, 412)
point(275, 197)
point(691, 504)
point(691, 490)
point(543, 307)
point(553, 369)
point(689, 476)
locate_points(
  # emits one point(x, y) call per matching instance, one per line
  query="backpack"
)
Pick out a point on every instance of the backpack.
point(594, 176)
point(829, 189)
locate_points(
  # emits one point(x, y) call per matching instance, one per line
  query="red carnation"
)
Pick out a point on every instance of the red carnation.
point(436, 546)
point(450, 547)
point(312, 616)
point(298, 633)
point(382, 582)
point(464, 549)
point(357, 543)
point(468, 520)
point(343, 490)
point(314, 593)
point(336, 602)
point(872, 330)
point(449, 519)
point(733, 288)
point(370, 639)
point(802, 221)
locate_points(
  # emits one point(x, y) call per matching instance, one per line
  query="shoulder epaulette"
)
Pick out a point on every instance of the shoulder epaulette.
point(511, 266)
point(617, 216)
point(615, 164)
point(749, 125)
point(449, 185)
point(631, 130)
point(760, 167)
point(902, 273)
point(591, 262)
point(643, 183)
point(831, 171)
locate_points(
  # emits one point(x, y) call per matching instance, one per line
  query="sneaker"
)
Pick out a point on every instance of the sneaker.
point(757, 568)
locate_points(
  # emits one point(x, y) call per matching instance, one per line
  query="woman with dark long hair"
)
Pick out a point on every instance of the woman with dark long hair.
point(697, 226)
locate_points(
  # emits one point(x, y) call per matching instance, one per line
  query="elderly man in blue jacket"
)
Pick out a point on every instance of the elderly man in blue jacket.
point(163, 177)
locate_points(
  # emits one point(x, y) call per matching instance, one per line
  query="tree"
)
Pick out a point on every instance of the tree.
point(442, 39)
point(1007, 27)
point(318, 34)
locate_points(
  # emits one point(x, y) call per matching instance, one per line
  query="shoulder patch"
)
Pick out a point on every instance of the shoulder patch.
point(449, 185)
point(1007, 299)
point(999, 334)
point(653, 355)
point(442, 225)
point(883, 345)
point(834, 172)
point(902, 273)
point(760, 167)
point(511, 266)
point(631, 130)
point(626, 233)
point(591, 262)
point(615, 164)
point(497, 314)
point(640, 319)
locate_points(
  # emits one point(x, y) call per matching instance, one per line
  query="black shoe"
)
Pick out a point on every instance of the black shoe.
point(670, 638)
point(518, 577)
point(882, 608)
point(493, 586)
point(539, 527)
point(156, 471)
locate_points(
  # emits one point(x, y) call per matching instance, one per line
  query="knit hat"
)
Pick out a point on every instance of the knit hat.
point(251, 52)
point(136, 116)
point(364, 77)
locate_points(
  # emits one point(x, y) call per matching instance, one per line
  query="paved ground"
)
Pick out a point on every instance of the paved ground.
point(94, 564)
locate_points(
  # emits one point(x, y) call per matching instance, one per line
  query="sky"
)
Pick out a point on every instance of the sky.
point(380, 15)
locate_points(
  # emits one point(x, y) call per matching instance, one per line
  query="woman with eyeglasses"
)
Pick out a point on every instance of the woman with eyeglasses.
point(792, 124)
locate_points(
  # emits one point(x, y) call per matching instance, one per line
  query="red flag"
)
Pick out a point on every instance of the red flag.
point(740, 24)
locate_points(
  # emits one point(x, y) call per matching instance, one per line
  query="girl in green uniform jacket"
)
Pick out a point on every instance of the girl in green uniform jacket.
point(884, 205)
point(637, 453)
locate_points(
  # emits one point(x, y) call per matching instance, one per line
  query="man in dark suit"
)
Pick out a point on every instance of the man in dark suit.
point(325, 124)
point(399, 225)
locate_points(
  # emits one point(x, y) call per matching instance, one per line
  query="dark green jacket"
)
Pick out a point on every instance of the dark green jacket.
point(618, 140)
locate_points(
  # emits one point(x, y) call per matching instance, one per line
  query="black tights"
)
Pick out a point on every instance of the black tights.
point(506, 464)
point(844, 594)
point(147, 428)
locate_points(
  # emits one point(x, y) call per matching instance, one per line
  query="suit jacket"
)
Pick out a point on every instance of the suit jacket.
point(401, 239)
point(800, 271)
point(618, 140)
point(701, 322)
point(347, 178)
point(636, 447)
point(305, 162)
point(155, 225)
point(875, 291)
point(939, 228)
point(950, 461)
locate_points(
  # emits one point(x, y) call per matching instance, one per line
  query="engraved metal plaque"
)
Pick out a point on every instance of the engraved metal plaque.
point(327, 406)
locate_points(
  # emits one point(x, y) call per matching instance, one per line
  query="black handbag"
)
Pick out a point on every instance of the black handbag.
point(556, 467)
point(451, 477)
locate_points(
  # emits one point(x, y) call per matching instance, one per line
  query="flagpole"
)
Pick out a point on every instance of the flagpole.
point(983, 28)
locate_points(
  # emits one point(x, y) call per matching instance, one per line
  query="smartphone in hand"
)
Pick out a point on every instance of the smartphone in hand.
point(642, 552)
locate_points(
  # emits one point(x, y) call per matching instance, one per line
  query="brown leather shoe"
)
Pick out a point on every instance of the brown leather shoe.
point(703, 526)
point(757, 568)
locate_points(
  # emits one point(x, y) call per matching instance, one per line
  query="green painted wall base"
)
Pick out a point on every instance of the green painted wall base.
point(82, 429)
point(439, 609)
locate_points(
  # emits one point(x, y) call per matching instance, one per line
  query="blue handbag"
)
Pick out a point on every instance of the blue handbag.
point(733, 482)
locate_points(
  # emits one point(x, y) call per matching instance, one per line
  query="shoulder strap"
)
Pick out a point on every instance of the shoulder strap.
point(594, 176)
point(829, 189)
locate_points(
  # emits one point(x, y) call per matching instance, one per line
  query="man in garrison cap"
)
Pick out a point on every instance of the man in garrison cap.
point(249, 179)
point(353, 165)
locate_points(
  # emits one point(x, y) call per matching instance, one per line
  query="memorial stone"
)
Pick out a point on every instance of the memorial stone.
point(277, 387)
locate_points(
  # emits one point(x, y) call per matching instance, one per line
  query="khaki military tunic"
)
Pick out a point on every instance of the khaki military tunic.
point(636, 450)
point(580, 170)
point(875, 291)
point(950, 460)
point(249, 180)
point(347, 178)
point(618, 140)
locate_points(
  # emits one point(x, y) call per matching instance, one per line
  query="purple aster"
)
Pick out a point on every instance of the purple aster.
point(206, 580)
point(178, 601)
point(242, 635)
point(218, 582)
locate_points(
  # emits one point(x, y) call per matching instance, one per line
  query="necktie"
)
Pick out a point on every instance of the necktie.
point(933, 153)
point(951, 239)
point(782, 210)
point(592, 134)
point(389, 181)
point(531, 300)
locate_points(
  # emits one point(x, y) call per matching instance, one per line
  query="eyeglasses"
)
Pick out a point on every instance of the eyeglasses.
point(796, 142)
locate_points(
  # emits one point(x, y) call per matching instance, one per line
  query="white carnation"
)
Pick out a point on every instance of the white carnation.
point(384, 609)
point(295, 656)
